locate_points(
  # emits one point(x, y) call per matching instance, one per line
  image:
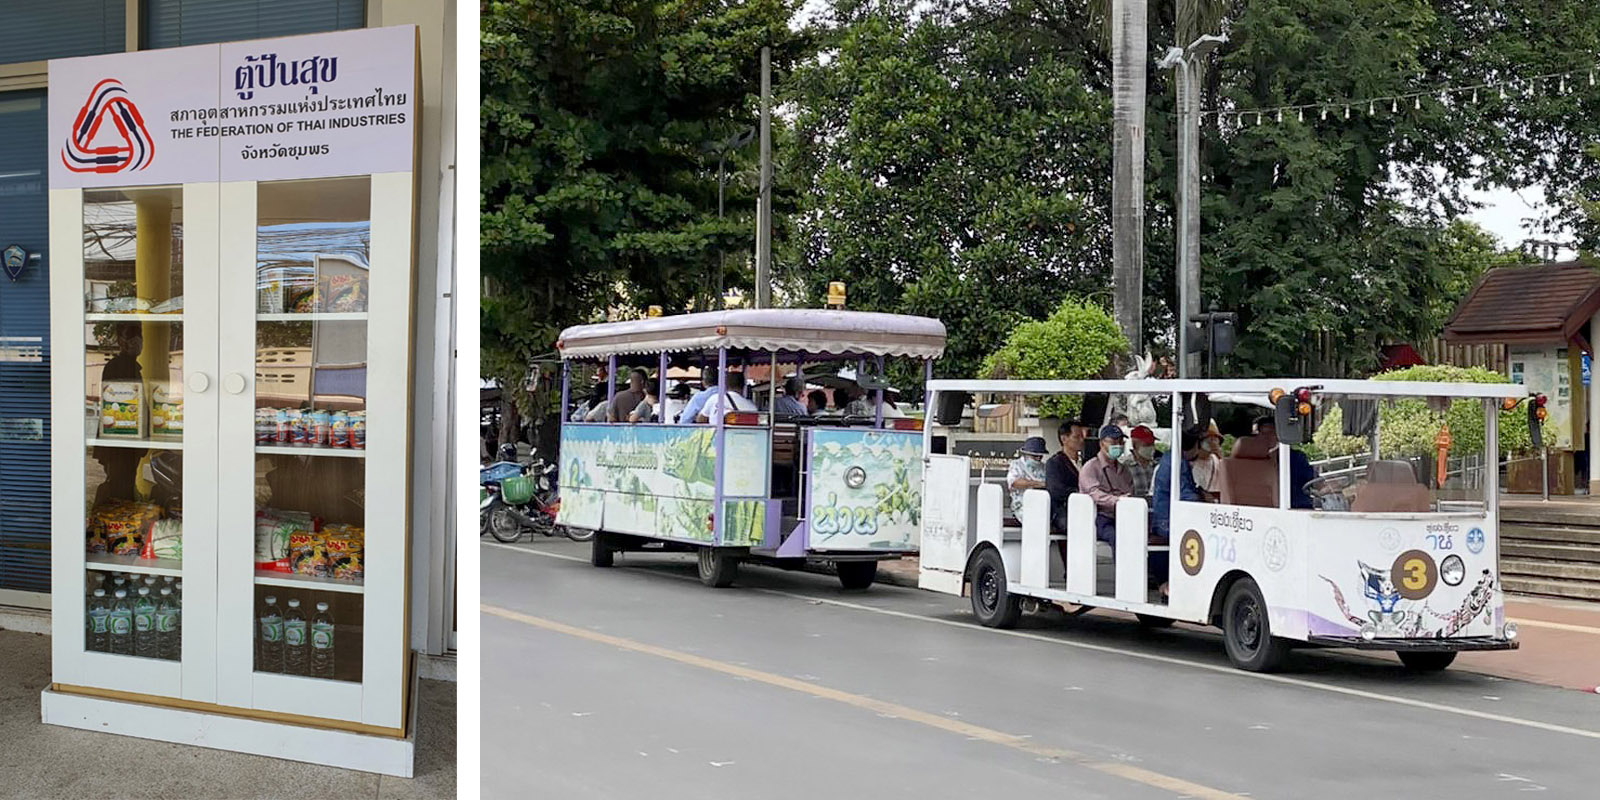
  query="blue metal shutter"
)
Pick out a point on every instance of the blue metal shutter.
point(62, 28)
point(175, 23)
point(24, 316)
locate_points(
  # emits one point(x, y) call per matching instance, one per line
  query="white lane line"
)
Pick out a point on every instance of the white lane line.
point(1100, 648)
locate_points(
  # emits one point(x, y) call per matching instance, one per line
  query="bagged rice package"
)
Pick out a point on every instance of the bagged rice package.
point(273, 529)
point(165, 540)
point(166, 409)
point(122, 410)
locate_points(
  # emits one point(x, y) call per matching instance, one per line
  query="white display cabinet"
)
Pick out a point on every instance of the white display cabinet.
point(271, 321)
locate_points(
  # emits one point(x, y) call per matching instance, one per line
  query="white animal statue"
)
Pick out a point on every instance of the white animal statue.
point(1141, 410)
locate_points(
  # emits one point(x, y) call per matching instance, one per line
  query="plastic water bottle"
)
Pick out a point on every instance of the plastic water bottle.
point(121, 624)
point(294, 640)
point(270, 658)
point(99, 622)
point(167, 636)
point(322, 643)
point(144, 625)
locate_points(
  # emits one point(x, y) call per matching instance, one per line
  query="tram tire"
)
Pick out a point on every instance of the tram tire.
point(991, 603)
point(717, 569)
point(1426, 662)
point(1247, 630)
point(856, 575)
point(1152, 622)
point(600, 552)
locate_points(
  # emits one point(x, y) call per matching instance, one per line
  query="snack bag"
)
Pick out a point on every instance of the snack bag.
point(345, 293)
point(345, 544)
point(308, 554)
point(166, 409)
point(122, 410)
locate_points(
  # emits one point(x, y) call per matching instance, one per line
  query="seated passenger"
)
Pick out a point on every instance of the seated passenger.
point(1140, 460)
point(731, 400)
point(1061, 476)
point(816, 402)
point(691, 412)
point(1026, 472)
point(853, 401)
point(788, 403)
point(1161, 501)
point(646, 409)
point(1300, 470)
point(624, 402)
point(1106, 482)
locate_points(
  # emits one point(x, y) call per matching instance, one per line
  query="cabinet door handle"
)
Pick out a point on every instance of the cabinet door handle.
point(199, 382)
point(234, 383)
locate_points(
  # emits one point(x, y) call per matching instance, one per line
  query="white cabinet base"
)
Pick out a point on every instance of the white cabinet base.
point(344, 749)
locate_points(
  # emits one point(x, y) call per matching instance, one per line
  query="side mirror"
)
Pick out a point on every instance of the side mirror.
point(1536, 415)
point(1292, 426)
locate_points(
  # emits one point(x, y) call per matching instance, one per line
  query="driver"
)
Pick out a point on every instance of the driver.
point(1300, 470)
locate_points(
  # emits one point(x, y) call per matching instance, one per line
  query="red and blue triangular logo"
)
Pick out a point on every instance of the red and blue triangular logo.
point(92, 146)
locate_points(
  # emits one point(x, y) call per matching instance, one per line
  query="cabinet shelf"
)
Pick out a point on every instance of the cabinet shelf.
point(337, 452)
point(313, 316)
point(292, 580)
point(144, 566)
point(127, 317)
point(138, 444)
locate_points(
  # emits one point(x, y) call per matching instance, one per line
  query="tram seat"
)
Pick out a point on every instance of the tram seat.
point(1249, 476)
point(1391, 486)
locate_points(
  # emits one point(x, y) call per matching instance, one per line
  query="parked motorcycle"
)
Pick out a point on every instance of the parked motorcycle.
point(517, 497)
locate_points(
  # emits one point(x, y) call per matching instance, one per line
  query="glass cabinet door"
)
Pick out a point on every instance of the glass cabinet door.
point(145, 386)
point(297, 467)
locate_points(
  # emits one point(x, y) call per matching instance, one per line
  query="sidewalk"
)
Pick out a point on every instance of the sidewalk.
point(1560, 639)
point(45, 761)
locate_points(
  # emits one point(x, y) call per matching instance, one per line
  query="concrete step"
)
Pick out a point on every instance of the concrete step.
point(1568, 590)
point(1550, 534)
point(1551, 552)
point(1557, 570)
point(1554, 513)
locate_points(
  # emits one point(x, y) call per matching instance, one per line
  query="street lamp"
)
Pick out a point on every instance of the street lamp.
point(722, 149)
point(1185, 62)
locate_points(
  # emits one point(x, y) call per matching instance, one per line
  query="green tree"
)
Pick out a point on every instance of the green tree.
point(1077, 341)
point(599, 190)
point(1407, 427)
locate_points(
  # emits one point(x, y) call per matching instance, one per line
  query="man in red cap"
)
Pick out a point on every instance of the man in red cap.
point(1140, 460)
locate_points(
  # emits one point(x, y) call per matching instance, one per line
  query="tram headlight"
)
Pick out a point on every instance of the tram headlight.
point(1509, 631)
point(1452, 570)
point(855, 477)
point(1368, 633)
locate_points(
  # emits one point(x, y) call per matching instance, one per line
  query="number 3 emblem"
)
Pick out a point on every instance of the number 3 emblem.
point(1415, 574)
point(1192, 552)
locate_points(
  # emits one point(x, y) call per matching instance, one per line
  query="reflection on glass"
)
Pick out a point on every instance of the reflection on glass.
point(133, 251)
point(313, 366)
point(135, 506)
point(312, 243)
point(308, 633)
point(133, 381)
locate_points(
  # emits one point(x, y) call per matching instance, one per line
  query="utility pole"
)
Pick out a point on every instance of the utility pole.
point(764, 204)
point(1186, 64)
point(1128, 54)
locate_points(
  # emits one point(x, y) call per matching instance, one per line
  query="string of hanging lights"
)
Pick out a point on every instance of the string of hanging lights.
point(1394, 104)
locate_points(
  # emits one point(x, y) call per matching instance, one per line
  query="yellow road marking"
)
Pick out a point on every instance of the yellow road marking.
point(1118, 769)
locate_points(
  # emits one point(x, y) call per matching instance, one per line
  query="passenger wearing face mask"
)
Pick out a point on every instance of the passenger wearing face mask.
point(1206, 464)
point(1140, 460)
point(1106, 482)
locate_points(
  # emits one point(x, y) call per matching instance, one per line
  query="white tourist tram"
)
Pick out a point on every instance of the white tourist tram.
point(1393, 554)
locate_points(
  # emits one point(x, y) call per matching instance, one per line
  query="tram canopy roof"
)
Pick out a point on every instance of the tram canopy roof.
point(777, 330)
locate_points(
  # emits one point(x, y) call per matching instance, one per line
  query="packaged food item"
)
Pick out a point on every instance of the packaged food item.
point(344, 293)
point(358, 430)
point(273, 529)
point(339, 429)
point(304, 299)
point(122, 410)
point(122, 526)
point(119, 305)
point(266, 425)
point(166, 409)
point(308, 554)
point(298, 435)
point(317, 428)
point(173, 306)
point(345, 547)
point(165, 540)
point(280, 429)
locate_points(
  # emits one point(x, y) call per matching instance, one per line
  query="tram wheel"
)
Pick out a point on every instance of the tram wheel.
point(855, 575)
point(717, 569)
point(991, 603)
point(1247, 632)
point(1426, 662)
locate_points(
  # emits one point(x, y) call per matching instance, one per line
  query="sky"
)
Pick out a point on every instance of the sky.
point(1503, 214)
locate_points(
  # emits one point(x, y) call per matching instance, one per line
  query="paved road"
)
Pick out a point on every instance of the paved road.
point(638, 682)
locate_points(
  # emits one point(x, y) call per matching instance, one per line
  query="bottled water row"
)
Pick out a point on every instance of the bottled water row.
point(135, 615)
point(287, 642)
